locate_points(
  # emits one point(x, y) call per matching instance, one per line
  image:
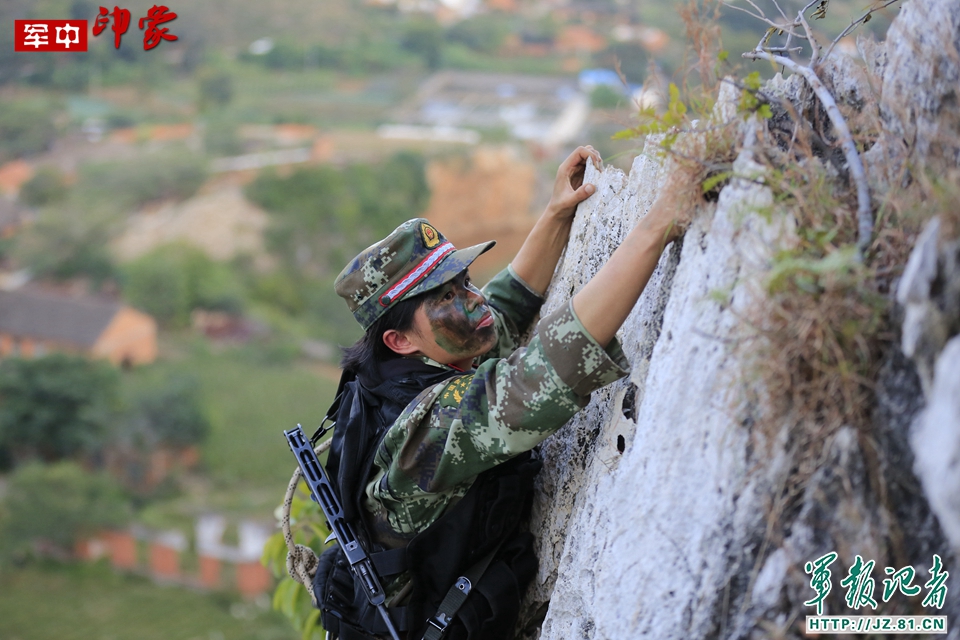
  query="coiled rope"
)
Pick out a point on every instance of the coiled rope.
point(302, 562)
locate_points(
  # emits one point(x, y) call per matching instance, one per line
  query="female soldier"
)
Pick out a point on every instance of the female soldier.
point(430, 451)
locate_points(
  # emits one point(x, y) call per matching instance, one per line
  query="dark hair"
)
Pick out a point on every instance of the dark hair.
point(363, 356)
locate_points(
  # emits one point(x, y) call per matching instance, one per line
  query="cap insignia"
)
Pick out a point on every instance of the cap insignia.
point(430, 236)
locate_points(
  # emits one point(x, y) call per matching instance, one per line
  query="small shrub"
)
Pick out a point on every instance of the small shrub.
point(171, 414)
point(25, 130)
point(221, 138)
point(483, 33)
point(215, 89)
point(279, 289)
point(158, 285)
point(47, 186)
point(285, 54)
point(67, 242)
point(115, 120)
point(424, 37)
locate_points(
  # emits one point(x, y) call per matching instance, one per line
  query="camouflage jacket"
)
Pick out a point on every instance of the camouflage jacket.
point(511, 401)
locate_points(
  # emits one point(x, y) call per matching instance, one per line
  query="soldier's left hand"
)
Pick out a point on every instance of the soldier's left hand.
point(568, 188)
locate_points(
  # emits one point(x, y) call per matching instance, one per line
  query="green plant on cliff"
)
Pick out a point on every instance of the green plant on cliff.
point(822, 321)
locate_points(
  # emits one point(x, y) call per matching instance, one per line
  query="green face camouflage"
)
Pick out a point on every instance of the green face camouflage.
point(413, 259)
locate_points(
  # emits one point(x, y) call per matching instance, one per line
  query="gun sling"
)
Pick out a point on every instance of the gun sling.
point(456, 596)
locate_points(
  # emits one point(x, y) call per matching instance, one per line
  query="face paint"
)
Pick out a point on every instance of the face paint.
point(460, 319)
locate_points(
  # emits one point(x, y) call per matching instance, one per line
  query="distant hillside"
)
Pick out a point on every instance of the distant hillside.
point(229, 23)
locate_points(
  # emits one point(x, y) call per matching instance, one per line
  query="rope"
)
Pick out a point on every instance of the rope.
point(301, 560)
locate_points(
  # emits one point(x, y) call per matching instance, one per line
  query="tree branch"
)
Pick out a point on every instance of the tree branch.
point(857, 172)
point(854, 24)
point(777, 5)
point(814, 46)
point(758, 16)
point(785, 27)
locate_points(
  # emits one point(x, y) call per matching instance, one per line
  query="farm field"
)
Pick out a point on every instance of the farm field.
point(91, 602)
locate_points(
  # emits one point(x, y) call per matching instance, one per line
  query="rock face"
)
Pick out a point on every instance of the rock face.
point(660, 510)
point(920, 95)
point(657, 470)
point(930, 292)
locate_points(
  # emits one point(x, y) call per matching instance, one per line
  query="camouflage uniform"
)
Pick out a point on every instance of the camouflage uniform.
point(475, 420)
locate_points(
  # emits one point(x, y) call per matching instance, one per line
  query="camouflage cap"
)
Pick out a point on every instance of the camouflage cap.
point(413, 259)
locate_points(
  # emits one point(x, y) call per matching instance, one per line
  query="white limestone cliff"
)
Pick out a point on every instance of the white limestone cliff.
point(654, 503)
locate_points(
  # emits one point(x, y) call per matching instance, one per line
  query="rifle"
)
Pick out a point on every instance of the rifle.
point(322, 492)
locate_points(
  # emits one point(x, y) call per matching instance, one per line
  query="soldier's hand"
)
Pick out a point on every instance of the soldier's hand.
point(681, 190)
point(568, 188)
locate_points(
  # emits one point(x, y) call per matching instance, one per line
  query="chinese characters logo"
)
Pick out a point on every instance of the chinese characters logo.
point(860, 584)
point(860, 587)
point(50, 35)
point(71, 35)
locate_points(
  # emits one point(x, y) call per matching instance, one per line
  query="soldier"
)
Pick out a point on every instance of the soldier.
point(431, 447)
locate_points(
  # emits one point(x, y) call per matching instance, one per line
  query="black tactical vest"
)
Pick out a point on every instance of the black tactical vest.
point(487, 518)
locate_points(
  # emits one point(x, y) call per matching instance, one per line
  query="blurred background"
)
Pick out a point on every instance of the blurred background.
point(171, 222)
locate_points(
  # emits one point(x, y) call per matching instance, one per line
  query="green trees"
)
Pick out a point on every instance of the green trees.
point(215, 88)
point(158, 284)
point(65, 242)
point(484, 33)
point(221, 137)
point(324, 215)
point(125, 186)
point(24, 130)
point(55, 407)
point(45, 187)
point(71, 235)
point(424, 38)
point(606, 97)
point(172, 280)
point(58, 504)
point(171, 414)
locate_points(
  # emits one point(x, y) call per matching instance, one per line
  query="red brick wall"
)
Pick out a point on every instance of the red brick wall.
point(249, 578)
point(209, 572)
point(83, 550)
point(122, 548)
point(253, 578)
point(164, 561)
